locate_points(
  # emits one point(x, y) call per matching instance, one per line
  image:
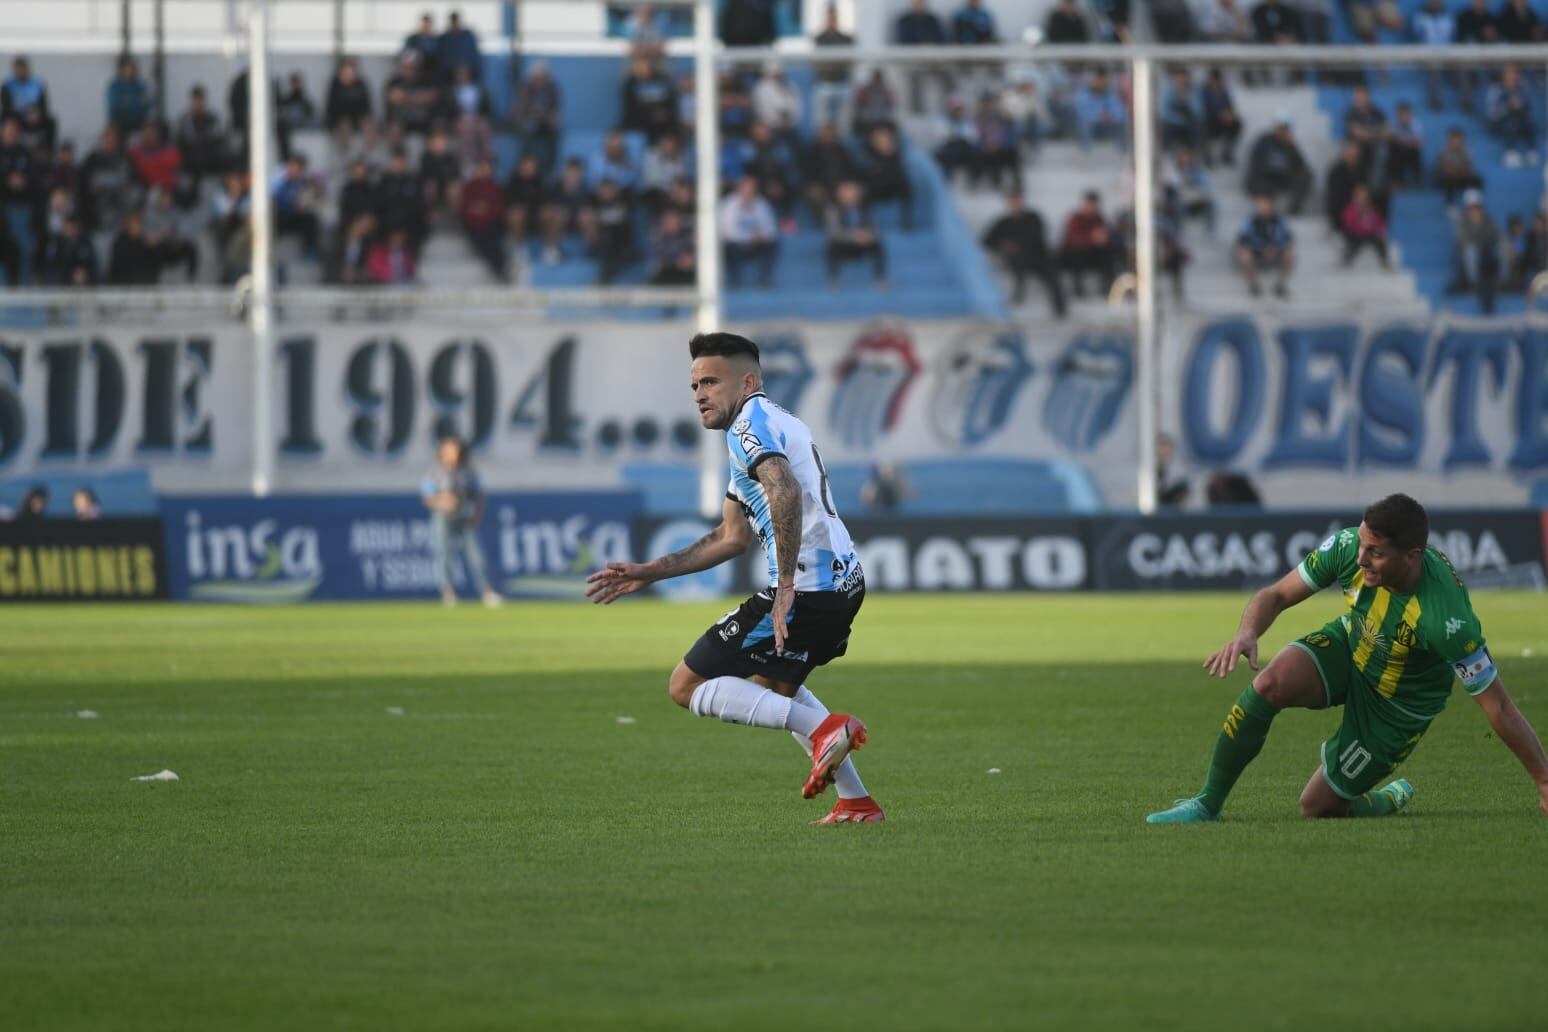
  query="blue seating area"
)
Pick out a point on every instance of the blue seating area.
point(1419, 222)
point(936, 487)
point(935, 270)
point(125, 492)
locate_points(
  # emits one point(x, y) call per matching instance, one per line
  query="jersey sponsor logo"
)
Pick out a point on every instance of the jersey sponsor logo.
point(873, 383)
point(977, 383)
point(1091, 383)
point(1370, 634)
point(1327, 546)
point(848, 582)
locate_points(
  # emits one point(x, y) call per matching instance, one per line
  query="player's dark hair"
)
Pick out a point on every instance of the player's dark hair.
point(462, 448)
point(725, 345)
point(1399, 519)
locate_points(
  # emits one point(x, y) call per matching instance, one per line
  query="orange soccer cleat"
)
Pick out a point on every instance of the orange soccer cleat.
point(864, 810)
point(831, 742)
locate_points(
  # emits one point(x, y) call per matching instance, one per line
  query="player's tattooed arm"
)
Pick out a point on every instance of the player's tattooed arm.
point(726, 541)
point(783, 491)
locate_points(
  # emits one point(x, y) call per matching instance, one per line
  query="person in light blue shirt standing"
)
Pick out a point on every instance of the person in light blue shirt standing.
point(455, 498)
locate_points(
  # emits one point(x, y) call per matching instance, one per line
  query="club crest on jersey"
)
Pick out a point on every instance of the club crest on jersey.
point(1320, 640)
point(729, 630)
point(977, 383)
point(873, 382)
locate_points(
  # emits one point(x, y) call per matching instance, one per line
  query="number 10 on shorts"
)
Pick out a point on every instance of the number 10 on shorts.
point(1353, 759)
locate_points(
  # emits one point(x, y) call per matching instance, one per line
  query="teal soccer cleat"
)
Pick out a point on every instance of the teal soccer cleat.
point(1184, 811)
point(1399, 791)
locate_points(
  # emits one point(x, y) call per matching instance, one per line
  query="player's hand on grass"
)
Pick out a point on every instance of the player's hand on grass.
point(1223, 662)
point(784, 599)
point(616, 580)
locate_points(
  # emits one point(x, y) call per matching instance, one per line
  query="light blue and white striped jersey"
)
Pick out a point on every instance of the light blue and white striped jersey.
point(762, 430)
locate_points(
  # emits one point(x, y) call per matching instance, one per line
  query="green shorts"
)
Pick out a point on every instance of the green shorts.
point(1373, 737)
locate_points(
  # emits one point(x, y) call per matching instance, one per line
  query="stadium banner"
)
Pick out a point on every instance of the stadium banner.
point(359, 406)
point(1235, 551)
point(1335, 411)
point(294, 548)
point(902, 554)
point(105, 398)
point(1224, 551)
point(114, 560)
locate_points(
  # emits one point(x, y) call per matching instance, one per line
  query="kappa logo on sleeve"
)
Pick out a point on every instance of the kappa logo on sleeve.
point(1453, 626)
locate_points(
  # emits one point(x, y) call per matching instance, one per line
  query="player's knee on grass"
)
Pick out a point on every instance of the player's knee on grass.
point(1318, 800)
point(682, 684)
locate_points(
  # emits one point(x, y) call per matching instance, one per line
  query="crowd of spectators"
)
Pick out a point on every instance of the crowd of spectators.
point(420, 157)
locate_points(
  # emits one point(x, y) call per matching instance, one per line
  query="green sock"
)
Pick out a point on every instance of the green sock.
point(1375, 804)
point(1246, 726)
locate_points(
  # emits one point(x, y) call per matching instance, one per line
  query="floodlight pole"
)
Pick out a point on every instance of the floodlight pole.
point(707, 144)
point(260, 305)
point(1146, 339)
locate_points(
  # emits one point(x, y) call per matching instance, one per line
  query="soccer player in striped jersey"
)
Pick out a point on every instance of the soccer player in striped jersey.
point(1408, 631)
point(749, 667)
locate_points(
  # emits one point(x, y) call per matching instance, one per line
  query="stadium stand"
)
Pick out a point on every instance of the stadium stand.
point(1057, 134)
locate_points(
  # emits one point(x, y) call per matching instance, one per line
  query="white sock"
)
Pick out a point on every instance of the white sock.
point(846, 780)
point(737, 701)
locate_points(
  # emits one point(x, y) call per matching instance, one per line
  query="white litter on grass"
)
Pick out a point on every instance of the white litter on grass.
point(994, 770)
point(160, 775)
point(395, 711)
point(86, 714)
point(626, 720)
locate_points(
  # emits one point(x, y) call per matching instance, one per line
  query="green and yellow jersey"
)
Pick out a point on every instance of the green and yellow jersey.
point(1407, 648)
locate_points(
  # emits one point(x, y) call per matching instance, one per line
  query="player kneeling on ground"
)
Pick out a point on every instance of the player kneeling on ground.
point(749, 668)
point(1389, 661)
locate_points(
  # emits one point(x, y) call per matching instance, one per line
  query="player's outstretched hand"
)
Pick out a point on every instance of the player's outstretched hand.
point(616, 580)
point(1224, 661)
point(784, 599)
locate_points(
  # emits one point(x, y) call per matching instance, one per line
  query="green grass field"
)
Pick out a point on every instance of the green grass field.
point(507, 853)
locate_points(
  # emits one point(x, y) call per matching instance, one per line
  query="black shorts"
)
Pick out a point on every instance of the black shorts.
point(741, 643)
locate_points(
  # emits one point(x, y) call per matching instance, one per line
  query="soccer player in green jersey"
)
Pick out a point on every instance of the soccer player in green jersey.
point(1389, 661)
